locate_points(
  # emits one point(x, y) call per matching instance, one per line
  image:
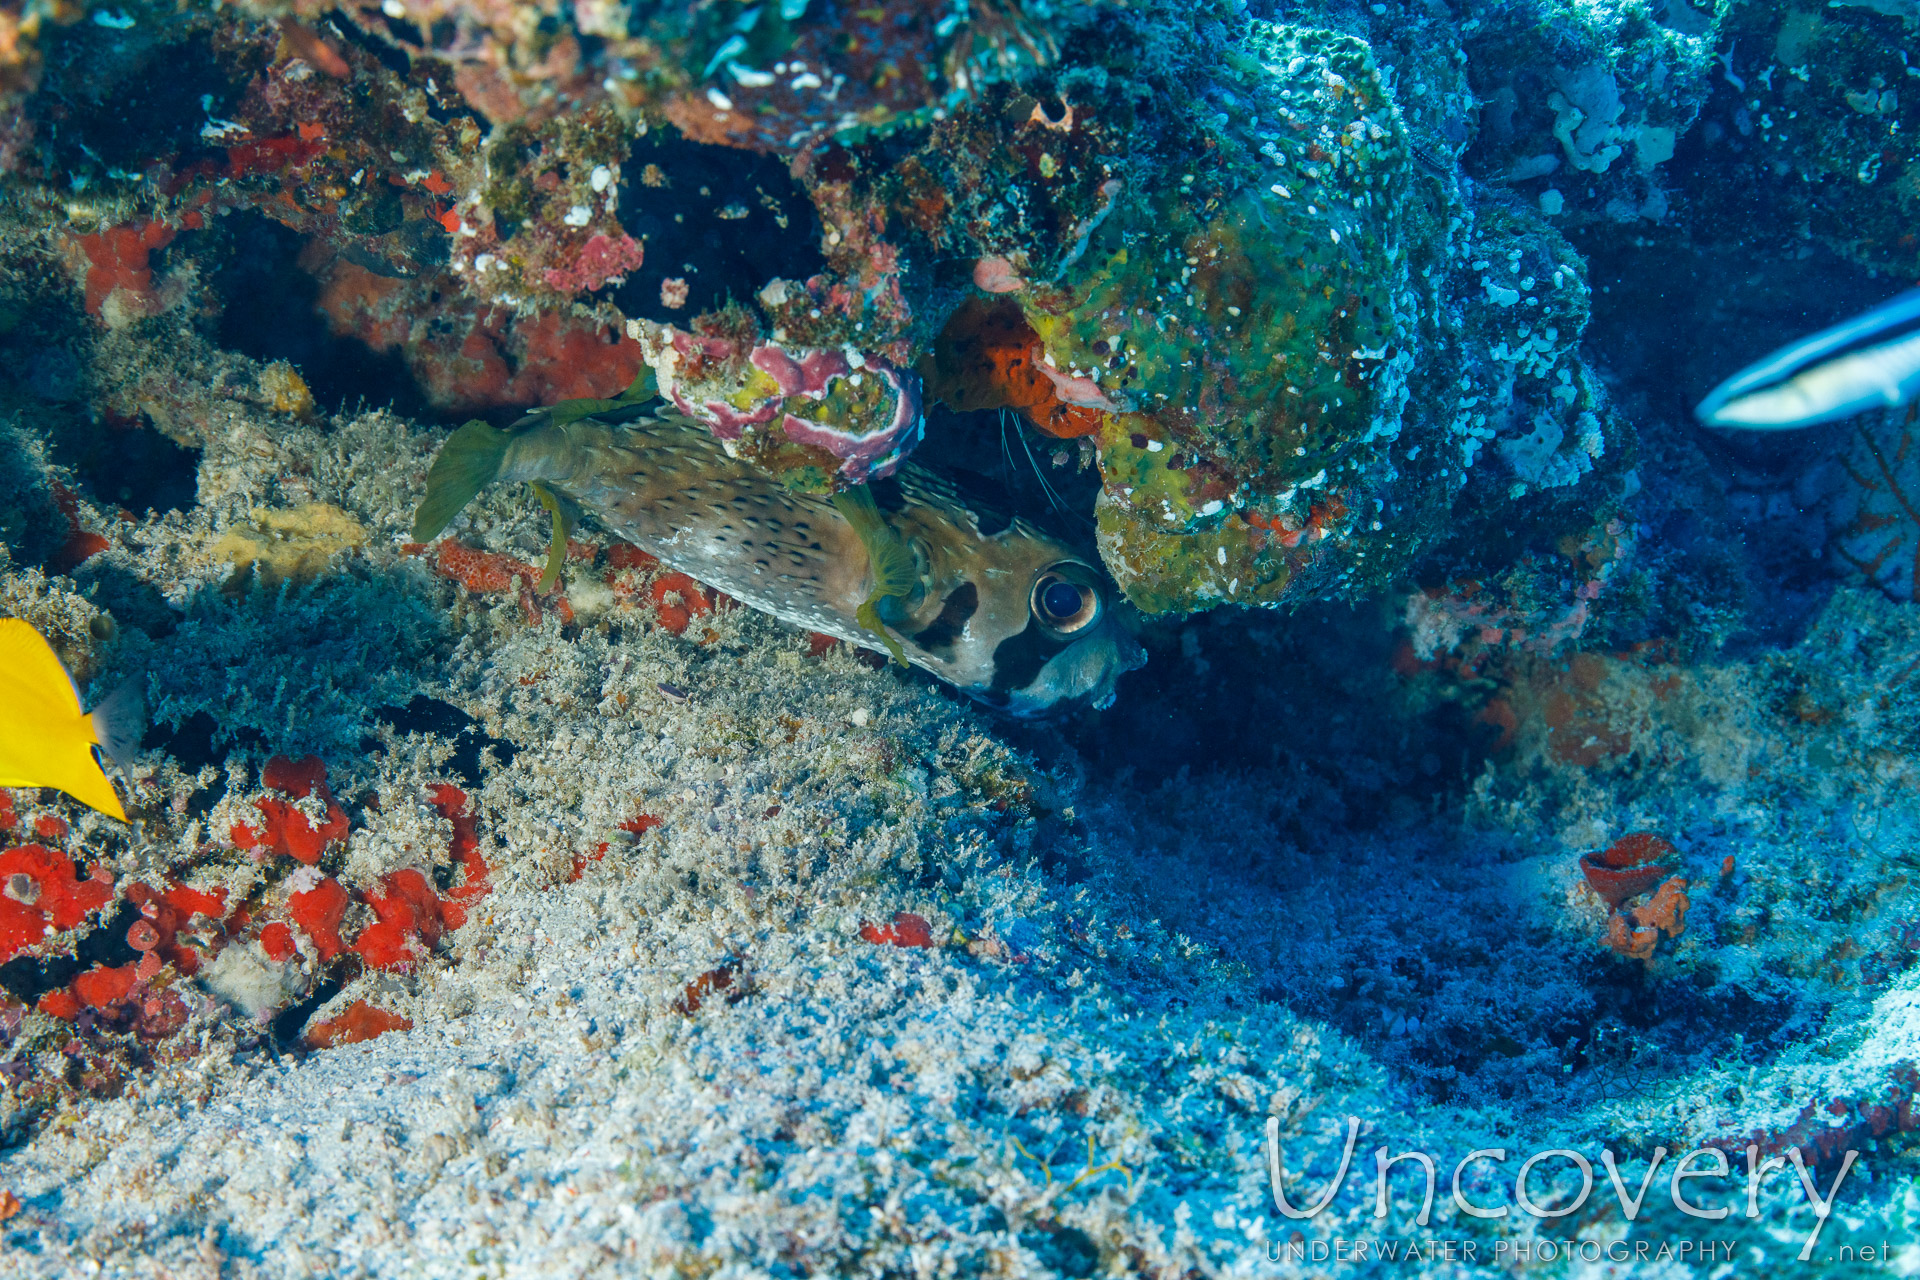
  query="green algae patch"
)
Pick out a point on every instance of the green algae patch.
point(1245, 348)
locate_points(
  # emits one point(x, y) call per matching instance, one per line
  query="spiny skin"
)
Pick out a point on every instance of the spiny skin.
point(670, 488)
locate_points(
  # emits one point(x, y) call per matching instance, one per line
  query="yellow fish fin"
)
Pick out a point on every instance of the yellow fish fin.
point(29, 664)
point(44, 740)
point(75, 771)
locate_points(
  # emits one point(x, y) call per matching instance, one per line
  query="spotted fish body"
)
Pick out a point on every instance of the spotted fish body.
point(987, 609)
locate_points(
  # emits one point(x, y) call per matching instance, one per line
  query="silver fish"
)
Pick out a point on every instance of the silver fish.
point(991, 605)
point(1869, 362)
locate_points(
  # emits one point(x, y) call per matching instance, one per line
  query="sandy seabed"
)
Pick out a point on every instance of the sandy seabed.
point(885, 986)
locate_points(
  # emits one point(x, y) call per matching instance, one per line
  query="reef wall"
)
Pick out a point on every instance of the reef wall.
point(1239, 254)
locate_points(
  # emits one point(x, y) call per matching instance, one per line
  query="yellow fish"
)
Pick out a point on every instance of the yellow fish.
point(45, 739)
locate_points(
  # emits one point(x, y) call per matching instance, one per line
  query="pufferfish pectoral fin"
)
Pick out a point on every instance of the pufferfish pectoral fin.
point(45, 741)
point(890, 562)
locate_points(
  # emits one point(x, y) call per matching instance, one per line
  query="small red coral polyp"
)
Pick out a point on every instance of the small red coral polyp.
point(287, 829)
point(277, 941)
point(678, 600)
point(712, 982)
point(1636, 933)
point(100, 987)
point(907, 930)
point(81, 544)
point(408, 921)
point(117, 262)
point(481, 571)
point(60, 1003)
point(565, 359)
point(489, 572)
point(601, 259)
point(409, 917)
point(499, 361)
point(451, 802)
point(624, 555)
point(318, 912)
point(39, 894)
point(358, 1023)
point(272, 155)
point(163, 914)
point(1630, 866)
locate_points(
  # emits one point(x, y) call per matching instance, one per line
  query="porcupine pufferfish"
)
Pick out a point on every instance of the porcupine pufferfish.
point(992, 605)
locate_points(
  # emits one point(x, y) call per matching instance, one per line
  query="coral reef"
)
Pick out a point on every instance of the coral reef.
point(1287, 337)
point(1567, 801)
point(1871, 495)
point(1813, 107)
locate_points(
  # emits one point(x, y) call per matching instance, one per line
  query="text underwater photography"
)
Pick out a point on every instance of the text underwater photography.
point(1702, 1185)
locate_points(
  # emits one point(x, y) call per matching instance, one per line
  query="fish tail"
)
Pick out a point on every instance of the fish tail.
point(119, 721)
point(470, 460)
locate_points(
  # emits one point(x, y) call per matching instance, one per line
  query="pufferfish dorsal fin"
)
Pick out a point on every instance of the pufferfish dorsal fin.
point(643, 388)
point(924, 488)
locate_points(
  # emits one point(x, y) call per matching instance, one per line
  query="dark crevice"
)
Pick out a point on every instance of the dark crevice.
point(271, 312)
point(290, 1022)
point(724, 221)
point(127, 464)
point(113, 104)
point(445, 721)
point(27, 978)
point(192, 744)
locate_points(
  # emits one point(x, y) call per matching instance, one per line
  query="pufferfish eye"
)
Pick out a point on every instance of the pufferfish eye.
point(1063, 602)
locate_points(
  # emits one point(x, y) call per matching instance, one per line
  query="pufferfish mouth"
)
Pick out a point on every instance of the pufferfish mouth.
point(1084, 672)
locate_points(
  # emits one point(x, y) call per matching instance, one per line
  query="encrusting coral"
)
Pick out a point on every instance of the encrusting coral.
point(1287, 341)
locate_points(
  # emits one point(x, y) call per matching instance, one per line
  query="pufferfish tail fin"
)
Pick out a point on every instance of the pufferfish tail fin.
point(473, 458)
point(475, 455)
point(468, 462)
